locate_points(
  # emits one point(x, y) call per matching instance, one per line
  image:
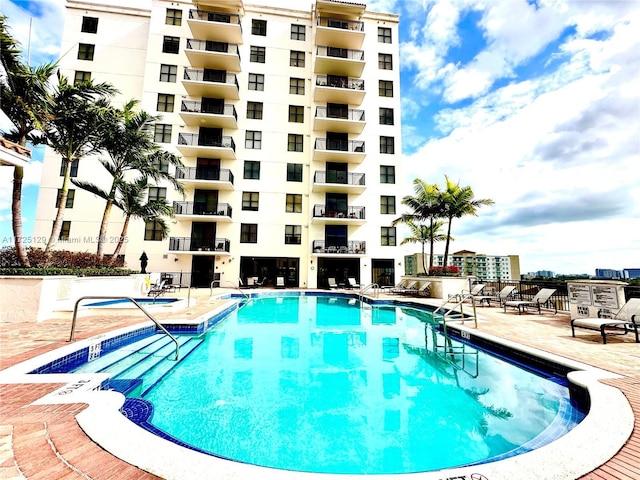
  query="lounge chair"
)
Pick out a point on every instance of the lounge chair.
point(157, 289)
point(352, 283)
point(542, 298)
point(502, 296)
point(407, 289)
point(332, 282)
point(279, 282)
point(261, 283)
point(424, 290)
point(625, 321)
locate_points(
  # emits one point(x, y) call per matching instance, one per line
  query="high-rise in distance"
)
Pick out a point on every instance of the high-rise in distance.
point(288, 125)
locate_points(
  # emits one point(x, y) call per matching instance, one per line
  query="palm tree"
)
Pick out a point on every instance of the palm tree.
point(131, 202)
point(24, 98)
point(423, 234)
point(128, 140)
point(457, 202)
point(74, 130)
point(425, 205)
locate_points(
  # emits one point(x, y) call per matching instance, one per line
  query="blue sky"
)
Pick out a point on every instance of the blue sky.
point(534, 104)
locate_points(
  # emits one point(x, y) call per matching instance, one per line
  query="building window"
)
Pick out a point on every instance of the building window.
point(162, 133)
point(251, 170)
point(387, 174)
point(384, 35)
point(292, 234)
point(387, 145)
point(296, 114)
point(157, 193)
point(385, 88)
point(174, 17)
point(65, 230)
point(71, 195)
point(249, 233)
point(294, 172)
point(296, 59)
point(168, 73)
point(254, 110)
point(253, 140)
point(160, 164)
point(73, 172)
point(165, 102)
point(294, 143)
point(89, 25)
point(259, 27)
point(298, 32)
point(153, 230)
point(170, 44)
point(257, 54)
point(386, 116)
point(80, 77)
point(294, 203)
point(86, 51)
point(385, 61)
point(387, 204)
point(388, 236)
point(296, 86)
point(256, 81)
point(250, 201)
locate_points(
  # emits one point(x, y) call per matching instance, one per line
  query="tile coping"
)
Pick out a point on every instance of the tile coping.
point(604, 430)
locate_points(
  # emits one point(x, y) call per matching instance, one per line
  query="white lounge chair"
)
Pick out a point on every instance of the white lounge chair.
point(625, 321)
point(332, 282)
point(352, 283)
point(542, 298)
point(280, 282)
point(501, 297)
point(409, 288)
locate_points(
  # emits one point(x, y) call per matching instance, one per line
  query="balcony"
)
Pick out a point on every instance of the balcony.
point(337, 89)
point(351, 151)
point(191, 145)
point(195, 246)
point(339, 32)
point(346, 216)
point(339, 61)
point(205, 177)
point(199, 113)
point(353, 247)
point(214, 25)
point(339, 120)
point(210, 83)
point(210, 54)
point(202, 212)
point(338, 182)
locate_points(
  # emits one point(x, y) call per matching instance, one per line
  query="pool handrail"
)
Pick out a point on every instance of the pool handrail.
point(132, 300)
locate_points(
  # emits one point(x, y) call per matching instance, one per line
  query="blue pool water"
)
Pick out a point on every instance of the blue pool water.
point(327, 384)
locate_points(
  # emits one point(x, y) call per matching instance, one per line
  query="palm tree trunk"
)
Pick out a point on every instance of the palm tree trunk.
point(103, 228)
point(431, 242)
point(123, 235)
point(57, 223)
point(16, 216)
point(446, 245)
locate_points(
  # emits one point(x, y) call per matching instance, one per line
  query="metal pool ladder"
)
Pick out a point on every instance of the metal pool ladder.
point(132, 300)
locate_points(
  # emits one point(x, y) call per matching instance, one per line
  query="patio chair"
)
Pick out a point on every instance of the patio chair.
point(279, 282)
point(352, 283)
point(332, 282)
point(625, 321)
point(407, 289)
point(157, 289)
point(542, 298)
point(501, 297)
point(424, 290)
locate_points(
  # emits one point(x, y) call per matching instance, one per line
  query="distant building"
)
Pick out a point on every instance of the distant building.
point(631, 273)
point(608, 273)
point(484, 267)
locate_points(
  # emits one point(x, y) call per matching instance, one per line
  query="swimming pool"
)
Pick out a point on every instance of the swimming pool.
point(327, 384)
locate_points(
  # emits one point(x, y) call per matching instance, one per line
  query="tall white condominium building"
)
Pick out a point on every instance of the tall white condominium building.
point(485, 267)
point(288, 125)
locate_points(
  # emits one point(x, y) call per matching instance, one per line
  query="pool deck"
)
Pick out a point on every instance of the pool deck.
point(46, 441)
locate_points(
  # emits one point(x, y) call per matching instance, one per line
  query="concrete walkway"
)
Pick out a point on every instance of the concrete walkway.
point(45, 442)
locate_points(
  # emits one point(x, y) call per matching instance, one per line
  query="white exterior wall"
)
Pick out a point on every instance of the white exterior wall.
point(129, 55)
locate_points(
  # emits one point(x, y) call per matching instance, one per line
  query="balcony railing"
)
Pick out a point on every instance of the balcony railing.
point(193, 139)
point(213, 16)
point(321, 211)
point(201, 208)
point(353, 247)
point(341, 114)
point(355, 146)
point(193, 106)
point(342, 178)
point(189, 244)
point(212, 46)
point(341, 23)
point(339, 82)
point(344, 53)
point(212, 76)
point(202, 173)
